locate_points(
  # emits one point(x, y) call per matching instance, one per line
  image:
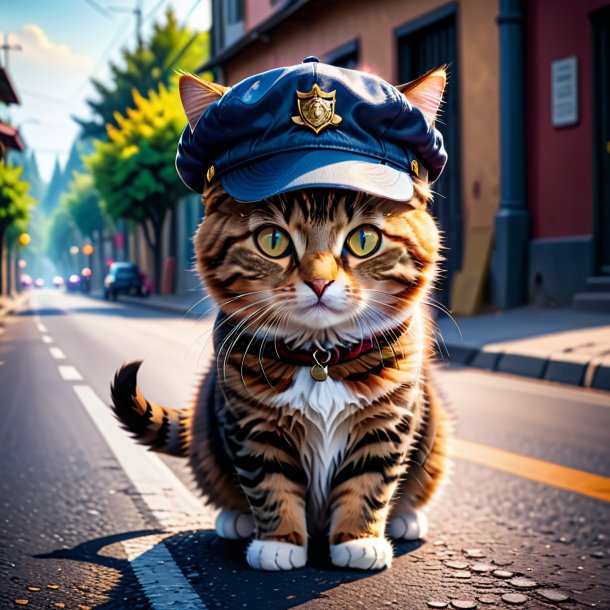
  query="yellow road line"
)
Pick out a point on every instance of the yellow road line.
point(570, 479)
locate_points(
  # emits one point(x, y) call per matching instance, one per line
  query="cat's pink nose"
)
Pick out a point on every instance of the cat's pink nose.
point(319, 286)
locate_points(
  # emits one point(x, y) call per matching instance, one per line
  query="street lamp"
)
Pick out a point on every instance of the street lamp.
point(24, 239)
point(88, 250)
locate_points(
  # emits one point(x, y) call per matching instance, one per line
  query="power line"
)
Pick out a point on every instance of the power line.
point(51, 151)
point(153, 10)
point(190, 12)
point(111, 46)
point(100, 9)
point(48, 98)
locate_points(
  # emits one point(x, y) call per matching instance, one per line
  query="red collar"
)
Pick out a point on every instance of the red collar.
point(278, 350)
point(334, 355)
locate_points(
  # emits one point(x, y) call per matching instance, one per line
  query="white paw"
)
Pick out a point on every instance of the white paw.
point(275, 556)
point(233, 525)
point(364, 554)
point(410, 525)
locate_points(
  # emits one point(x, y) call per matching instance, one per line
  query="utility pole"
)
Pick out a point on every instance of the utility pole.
point(137, 11)
point(509, 259)
point(6, 47)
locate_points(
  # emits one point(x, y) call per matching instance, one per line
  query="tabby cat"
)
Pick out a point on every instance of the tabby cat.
point(317, 415)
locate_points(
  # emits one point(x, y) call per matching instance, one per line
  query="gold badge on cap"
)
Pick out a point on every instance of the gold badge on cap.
point(316, 109)
point(415, 167)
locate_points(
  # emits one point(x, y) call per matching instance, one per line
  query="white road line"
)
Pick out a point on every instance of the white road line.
point(159, 575)
point(46, 339)
point(42, 328)
point(69, 373)
point(170, 502)
point(57, 353)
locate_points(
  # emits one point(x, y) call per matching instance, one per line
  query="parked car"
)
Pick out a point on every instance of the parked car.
point(39, 283)
point(58, 281)
point(123, 278)
point(73, 283)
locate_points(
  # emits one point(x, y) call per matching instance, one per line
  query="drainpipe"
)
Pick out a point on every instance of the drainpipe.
point(509, 258)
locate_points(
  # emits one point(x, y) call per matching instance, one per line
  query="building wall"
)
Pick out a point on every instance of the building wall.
point(560, 185)
point(322, 27)
point(256, 11)
point(559, 163)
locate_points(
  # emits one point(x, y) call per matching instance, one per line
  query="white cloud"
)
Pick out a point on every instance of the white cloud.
point(46, 74)
point(41, 50)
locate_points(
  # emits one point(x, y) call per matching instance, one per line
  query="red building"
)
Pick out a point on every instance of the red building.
point(9, 136)
point(568, 160)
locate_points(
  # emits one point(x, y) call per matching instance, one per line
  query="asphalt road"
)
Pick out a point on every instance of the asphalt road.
point(90, 520)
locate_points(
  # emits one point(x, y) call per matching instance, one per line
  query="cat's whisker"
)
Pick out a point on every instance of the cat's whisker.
point(199, 302)
point(395, 339)
point(262, 347)
point(432, 303)
point(210, 332)
point(284, 320)
point(374, 339)
point(233, 332)
point(241, 368)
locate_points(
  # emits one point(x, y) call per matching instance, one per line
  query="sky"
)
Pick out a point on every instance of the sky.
point(63, 44)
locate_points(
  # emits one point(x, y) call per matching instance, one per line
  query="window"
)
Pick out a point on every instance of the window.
point(346, 56)
point(235, 11)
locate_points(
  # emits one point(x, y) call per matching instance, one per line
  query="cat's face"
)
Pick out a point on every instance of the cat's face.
point(318, 265)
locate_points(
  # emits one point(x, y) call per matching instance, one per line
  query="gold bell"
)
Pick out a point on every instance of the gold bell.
point(319, 371)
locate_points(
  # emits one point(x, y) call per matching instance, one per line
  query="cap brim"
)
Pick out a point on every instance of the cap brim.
point(297, 170)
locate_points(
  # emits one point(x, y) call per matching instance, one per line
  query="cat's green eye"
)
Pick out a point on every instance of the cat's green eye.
point(273, 242)
point(363, 241)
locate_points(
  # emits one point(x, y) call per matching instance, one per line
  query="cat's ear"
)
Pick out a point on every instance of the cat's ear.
point(196, 95)
point(426, 92)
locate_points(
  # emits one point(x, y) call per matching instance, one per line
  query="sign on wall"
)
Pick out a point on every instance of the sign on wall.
point(564, 92)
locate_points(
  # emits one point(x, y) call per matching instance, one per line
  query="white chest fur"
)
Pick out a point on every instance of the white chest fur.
point(326, 407)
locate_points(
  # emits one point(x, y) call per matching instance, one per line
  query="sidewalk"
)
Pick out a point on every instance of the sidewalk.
point(8, 304)
point(563, 345)
point(193, 304)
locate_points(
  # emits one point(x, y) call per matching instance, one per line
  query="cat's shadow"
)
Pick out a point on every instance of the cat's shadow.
point(218, 572)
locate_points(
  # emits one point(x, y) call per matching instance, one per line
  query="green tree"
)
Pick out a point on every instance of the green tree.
point(54, 190)
point(12, 247)
point(134, 170)
point(14, 202)
point(83, 203)
point(61, 235)
point(147, 67)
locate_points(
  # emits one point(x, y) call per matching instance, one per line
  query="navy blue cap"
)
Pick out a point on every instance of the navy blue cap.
point(311, 125)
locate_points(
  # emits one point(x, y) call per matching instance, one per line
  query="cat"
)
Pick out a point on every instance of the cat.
point(317, 415)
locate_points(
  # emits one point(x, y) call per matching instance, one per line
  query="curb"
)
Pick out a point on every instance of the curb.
point(195, 312)
point(583, 374)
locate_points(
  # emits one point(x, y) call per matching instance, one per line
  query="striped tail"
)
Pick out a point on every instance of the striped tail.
point(162, 429)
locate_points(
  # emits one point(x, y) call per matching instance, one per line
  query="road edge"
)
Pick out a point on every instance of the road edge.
point(586, 374)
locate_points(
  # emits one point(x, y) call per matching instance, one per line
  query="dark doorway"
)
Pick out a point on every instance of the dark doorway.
point(601, 138)
point(423, 45)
